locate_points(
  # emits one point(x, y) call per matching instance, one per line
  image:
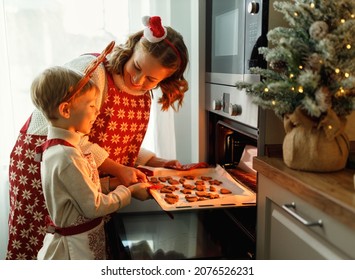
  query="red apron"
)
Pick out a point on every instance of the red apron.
point(122, 123)
point(27, 225)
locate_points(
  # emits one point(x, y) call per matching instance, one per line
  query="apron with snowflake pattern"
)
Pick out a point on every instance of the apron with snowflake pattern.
point(122, 123)
point(26, 198)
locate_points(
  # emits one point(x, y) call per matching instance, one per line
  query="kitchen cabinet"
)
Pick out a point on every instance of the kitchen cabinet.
point(304, 215)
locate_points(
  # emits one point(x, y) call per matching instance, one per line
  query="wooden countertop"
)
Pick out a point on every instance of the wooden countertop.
point(332, 192)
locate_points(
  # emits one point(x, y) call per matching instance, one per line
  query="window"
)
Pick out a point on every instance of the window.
point(38, 34)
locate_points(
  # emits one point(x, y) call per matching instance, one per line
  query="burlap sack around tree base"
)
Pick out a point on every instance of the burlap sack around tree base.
point(318, 145)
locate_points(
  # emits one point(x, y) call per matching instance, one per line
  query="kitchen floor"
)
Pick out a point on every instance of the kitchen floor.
point(201, 234)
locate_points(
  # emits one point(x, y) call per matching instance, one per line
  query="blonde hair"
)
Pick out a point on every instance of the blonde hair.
point(173, 87)
point(51, 87)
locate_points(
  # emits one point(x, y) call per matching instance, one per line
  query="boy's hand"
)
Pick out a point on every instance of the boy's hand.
point(140, 191)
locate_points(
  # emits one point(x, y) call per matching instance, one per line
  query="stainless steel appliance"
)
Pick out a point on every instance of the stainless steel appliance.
point(235, 30)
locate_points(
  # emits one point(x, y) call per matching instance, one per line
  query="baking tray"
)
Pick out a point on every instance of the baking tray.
point(240, 196)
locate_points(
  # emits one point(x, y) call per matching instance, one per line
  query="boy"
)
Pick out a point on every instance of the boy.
point(71, 185)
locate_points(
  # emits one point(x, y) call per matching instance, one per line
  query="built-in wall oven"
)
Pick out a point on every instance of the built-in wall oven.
point(235, 30)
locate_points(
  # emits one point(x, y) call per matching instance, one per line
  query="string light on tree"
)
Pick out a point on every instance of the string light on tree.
point(314, 52)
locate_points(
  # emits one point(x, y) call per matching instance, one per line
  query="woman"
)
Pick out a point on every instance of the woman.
point(154, 57)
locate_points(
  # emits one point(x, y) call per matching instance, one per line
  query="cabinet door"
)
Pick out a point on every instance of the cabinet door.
point(289, 239)
point(285, 235)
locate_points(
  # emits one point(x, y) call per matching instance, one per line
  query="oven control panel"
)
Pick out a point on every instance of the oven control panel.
point(231, 103)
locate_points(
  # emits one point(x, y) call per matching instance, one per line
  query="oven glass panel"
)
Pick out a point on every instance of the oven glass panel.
point(225, 36)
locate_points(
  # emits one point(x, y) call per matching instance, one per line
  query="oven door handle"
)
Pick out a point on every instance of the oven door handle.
point(288, 207)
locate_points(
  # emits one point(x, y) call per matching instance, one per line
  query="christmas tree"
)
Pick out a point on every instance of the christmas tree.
point(311, 62)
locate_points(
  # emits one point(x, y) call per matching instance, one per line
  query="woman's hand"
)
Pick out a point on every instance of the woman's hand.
point(160, 162)
point(174, 164)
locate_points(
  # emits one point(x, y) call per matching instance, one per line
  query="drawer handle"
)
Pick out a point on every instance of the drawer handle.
point(288, 207)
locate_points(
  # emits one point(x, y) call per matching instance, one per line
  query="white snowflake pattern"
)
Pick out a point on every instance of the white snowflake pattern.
point(133, 103)
point(121, 114)
point(126, 139)
point(139, 137)
point(12, 161)
point(102, 137)
point(29, 209)
point(40, 141)
point(18, 150)
point(30, 153)
point(92, 131)
point(21, 256)
point(116, 99)
point(125, 160)
point(139, 115)
point(20, 165)
point(23, 180)
point(134, 127)
point(26, 194)
point(130, 115)
point(141, 102)
point(9, 255)
point(37, 216)
point(109, 112)
point(24, 233)
point(100, 122)
point(12, 230)
point(13, 176)
point(115, 138)
point(33, 240)
point(112, 125)
point(29, 247)
point(15, 190)
point(124, 127)
point(28, 139)
point(117, 151)
point(21, 219)
point(125, 101)
point(36, 184)
point(132, 148)
point(18, 205)
point(141, 127)
point(41, 230)
point(33, 168)
point(16, 244)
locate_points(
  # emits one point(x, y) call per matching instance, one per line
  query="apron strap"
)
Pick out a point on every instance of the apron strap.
point(71, 230)
point(49, 143)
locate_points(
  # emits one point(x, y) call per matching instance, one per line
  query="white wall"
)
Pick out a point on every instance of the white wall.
point(189, 17)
